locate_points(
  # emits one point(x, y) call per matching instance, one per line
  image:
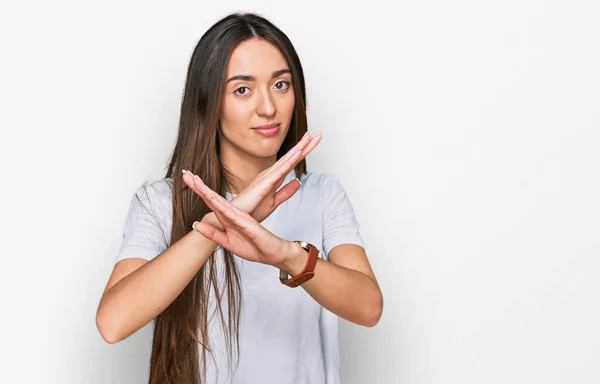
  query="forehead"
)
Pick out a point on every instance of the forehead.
point(255, 57)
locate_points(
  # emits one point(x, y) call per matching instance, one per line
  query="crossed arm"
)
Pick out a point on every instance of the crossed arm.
point(344, 284)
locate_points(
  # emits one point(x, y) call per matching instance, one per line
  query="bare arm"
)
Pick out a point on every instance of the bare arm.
point(344, 284)
point(139, 290)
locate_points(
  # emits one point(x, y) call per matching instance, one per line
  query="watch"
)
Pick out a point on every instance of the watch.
point(308, 271)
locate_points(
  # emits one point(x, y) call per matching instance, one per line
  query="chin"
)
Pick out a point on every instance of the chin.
point(266, 151)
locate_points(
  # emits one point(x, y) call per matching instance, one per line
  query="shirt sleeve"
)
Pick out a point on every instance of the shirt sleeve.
point(143, 235)
point(340, 225)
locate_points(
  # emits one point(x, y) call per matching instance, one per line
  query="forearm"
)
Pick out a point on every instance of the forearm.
point(348, 293)
point(143, 294)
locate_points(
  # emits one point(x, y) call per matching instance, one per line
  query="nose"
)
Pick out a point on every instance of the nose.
point(265, 105)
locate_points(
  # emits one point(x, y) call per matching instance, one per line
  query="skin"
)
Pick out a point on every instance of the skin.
point(249, 103)
point(138, 290)
point(345, 283)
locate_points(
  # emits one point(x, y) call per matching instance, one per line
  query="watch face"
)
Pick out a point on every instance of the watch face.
point(305, 245)
point(308, 272)
point(308, 247)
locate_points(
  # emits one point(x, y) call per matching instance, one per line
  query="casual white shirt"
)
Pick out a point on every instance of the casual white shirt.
point(285, 335)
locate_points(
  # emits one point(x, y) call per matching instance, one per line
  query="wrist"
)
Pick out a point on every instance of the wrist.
point(211, 219)
point(295, 259)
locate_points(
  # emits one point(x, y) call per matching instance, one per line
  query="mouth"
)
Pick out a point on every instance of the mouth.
point(269, 126)
point(267, 130)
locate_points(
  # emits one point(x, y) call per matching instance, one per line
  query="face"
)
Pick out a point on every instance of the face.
point(258, 93)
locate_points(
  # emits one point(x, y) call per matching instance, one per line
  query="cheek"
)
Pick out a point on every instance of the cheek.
point(287, 106)
point(236, 112)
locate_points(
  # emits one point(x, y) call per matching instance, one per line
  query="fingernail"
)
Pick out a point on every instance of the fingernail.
point(318, 133)
point(306, 133)
point(299, 180)
point(196, 226)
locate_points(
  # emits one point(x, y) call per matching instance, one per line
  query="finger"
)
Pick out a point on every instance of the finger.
point(303, 141)
point(296, 149)
point(276, 174)
point(224, 221)
point(312, 144)
point(204, 191)
point(292, 161)
point(239, 220)
point(196, 186)
point(207, 194)
point(249, 228)
point(279, 182)
point(294, 156)
point(286, 192)
point(188, 178)
point(211, 233)
point(212, 200)
point(291, 153)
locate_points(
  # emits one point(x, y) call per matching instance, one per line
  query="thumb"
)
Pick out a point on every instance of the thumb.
point(286, 192)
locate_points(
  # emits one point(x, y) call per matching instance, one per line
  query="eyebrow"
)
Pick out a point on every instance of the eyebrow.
point(252, 78)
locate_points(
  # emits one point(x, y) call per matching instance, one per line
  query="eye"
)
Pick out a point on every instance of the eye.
point(242, 91)
point(282, 85)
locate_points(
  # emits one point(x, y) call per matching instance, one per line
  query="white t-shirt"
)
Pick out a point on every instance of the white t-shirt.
point(285, 335)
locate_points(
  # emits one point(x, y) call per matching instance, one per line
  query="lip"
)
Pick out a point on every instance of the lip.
point(267, 130)
point(269, 126)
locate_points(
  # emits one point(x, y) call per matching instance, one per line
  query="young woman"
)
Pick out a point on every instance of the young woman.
point(243, 259)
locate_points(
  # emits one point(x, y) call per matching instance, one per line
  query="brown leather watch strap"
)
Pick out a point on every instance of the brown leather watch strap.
point(308, 271)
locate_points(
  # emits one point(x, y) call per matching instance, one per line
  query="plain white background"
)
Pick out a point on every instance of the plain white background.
point(466, 134)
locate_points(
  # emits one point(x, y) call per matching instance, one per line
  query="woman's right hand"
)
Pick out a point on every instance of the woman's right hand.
point(261, 197)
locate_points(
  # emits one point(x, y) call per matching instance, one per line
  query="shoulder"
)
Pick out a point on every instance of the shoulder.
point(323, 188)
point(324, 183)
point(157, 188)
point(154, 194)
point(318, 178)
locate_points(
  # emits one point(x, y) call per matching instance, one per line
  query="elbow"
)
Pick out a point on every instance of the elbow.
point(373, 319)
point(375, 313)
point(107, 330)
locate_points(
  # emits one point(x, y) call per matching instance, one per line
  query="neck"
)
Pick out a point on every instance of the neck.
point(243, 167)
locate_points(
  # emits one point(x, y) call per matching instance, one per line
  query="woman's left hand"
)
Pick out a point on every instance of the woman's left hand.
point(242, 234)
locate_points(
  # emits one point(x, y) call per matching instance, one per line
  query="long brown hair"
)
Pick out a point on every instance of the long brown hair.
point(183, 325)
